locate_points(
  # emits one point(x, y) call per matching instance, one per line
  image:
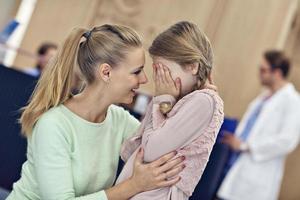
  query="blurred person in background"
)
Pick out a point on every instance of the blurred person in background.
point(267, 133)
point(45, 52)
point(3, 193)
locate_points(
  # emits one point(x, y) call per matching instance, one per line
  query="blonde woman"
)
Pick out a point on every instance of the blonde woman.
point(183, 115)
point(74, 141)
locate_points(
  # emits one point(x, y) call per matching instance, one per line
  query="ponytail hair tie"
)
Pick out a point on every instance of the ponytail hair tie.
point(87, 34)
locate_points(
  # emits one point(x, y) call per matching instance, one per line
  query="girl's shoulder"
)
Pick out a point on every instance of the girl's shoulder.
point(196, 98)
point(197, 95)
point(204, 92)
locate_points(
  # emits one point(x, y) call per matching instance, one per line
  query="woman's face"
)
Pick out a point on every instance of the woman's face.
point(127, 76)
point(188, 79)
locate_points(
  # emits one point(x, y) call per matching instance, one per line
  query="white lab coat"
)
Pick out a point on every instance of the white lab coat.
point(257, 175)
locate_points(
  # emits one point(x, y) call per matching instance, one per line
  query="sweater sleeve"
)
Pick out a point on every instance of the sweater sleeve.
point(131, 125)
point(172, 133)
point(131, 144)
point(52, 151)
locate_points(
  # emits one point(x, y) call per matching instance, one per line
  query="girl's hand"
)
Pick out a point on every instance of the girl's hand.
point(210, 84)
point(156, 174)
point(164, 84)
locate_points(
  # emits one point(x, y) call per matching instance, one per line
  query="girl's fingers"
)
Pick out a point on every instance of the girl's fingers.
point(139, 157)
point(171, 173)
point(154, 72)
point(211, 87)
point(171, 164)
point(162, 73)
point(169, 78)
point(159, 75)
point(178, 84)
point(210, 80)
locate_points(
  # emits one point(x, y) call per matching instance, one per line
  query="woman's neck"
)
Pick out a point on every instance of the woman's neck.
point(89, 105)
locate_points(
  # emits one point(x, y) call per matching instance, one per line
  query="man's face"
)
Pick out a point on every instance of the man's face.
point(266, 74)
point(45, 58)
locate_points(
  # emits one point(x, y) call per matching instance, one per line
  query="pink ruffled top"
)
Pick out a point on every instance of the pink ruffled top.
point(190, 128)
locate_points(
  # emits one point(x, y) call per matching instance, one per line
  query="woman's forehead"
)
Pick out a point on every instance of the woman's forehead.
point(134, 59)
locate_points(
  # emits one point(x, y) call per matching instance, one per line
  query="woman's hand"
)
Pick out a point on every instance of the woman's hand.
point(160, 173)
point(164, 83)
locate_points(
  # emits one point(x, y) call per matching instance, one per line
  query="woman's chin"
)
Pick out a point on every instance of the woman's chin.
point(127, 100)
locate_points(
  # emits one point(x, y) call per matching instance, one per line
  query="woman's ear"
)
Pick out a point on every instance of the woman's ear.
point(194, 68)
point(104, 72)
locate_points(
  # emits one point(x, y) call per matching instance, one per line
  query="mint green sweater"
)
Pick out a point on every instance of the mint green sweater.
point(71, 158)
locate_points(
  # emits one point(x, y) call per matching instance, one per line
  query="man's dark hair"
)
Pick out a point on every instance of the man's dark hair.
point(278, 60)
point(44, 48)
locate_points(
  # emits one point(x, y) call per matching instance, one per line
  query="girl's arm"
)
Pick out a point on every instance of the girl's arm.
point(180, 129)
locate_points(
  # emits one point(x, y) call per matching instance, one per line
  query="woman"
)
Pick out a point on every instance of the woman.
point(74, 141)
point(183, 116)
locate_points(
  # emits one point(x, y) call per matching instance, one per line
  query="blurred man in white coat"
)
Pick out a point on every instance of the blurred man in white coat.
point(268, 132)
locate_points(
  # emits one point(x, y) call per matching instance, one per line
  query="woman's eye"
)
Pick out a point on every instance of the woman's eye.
point(137, 72)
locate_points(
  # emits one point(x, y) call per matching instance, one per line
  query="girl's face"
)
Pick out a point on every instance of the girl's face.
point(127, 77)
point(186, 74)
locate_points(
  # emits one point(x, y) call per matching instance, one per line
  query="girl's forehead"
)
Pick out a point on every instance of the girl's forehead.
point(161, 60)
point(169, 63)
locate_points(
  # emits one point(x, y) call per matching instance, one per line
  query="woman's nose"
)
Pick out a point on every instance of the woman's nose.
point(143, 78)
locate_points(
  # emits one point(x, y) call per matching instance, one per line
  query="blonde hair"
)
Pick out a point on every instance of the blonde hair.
point(184, 43)
point(103, 44)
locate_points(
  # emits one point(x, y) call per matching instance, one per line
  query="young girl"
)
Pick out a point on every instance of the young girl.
point(74, 141)
point(182, 116)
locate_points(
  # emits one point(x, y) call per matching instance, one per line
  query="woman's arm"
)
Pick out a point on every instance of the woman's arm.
point(130, 144)
point(147, 176)
point(52, 161)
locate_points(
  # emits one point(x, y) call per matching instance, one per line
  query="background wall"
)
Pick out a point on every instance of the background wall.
point(8, 10)
point(291, 180)
point(240, 32)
